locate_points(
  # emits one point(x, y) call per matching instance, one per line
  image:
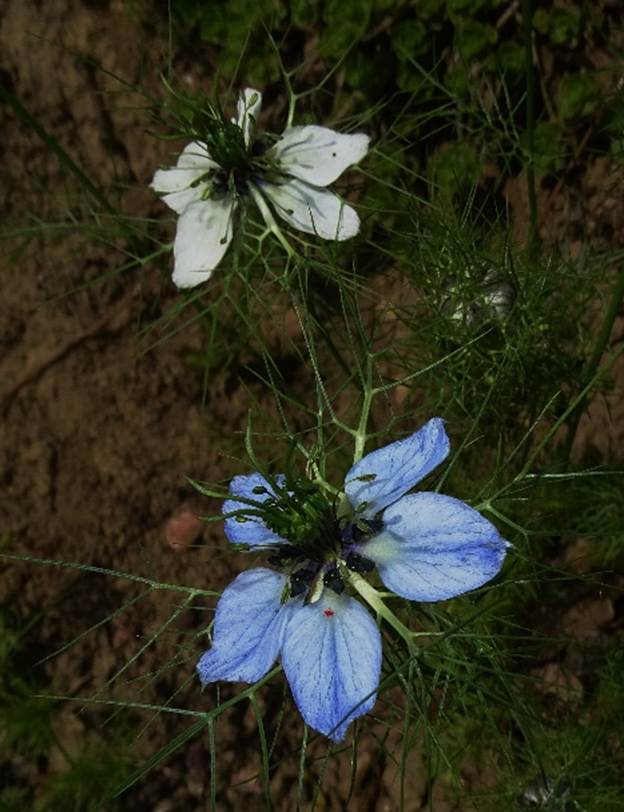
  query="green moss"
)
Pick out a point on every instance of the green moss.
point(473, 38)
point(467, 7)
point(549, 147)
point(562, 25)
point(89, 784)
point(305, 14)
point(13, 799)
point(510, 58)
point(579, 96)
point(410, 39)
point(25, 721)
point(454, 168)
point(345, 24)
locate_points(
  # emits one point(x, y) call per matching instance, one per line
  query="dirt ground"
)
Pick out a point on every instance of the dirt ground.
point(98, 434)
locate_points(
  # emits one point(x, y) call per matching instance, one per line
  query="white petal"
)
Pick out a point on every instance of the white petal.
point(318, 155)
point(203, 235)
point(176, 183)
point(247, 111)
point(315, 211)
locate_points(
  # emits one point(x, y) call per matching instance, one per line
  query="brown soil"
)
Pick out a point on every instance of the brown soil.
point(98, 433)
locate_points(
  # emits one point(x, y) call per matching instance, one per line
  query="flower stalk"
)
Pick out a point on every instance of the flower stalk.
point(374, 600)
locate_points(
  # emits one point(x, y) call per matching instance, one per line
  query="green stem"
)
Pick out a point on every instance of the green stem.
point(292, 101)
point(602, 340)
point(527, 29)
point(361, 433)
point(270, 221)
point(373, 599)
point(128, 576)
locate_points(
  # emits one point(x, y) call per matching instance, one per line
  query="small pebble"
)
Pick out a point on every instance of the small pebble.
point(182, 530)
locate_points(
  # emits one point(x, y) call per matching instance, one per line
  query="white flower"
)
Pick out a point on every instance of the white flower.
point(211, 177)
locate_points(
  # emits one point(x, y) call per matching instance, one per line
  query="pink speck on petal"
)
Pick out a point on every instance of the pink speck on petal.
point(328, 612)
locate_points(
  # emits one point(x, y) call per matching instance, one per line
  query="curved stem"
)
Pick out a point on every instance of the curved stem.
point(374, 599)
point(361, 433)
point(272, 226)
point(292, 101)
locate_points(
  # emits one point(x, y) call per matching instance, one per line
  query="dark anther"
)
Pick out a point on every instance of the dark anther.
point(259, 489)
point(221, 181)
point(242, 187)
point(299, 581)
point(297, 588)
point(357, 533)
point(374, 526)
point(333, 580)
point(282, 555)
point(258, 148)
point(359, 563)
point(364, 528)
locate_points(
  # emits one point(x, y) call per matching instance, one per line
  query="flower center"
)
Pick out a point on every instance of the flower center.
point(238, 166)
point(237, 162)
point(225, 142)
point(235, 179)
point(302, 515)
point(318, 548)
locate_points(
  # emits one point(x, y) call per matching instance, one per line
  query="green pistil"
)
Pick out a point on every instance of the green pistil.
point(238, 162)
point(306, 519)
point(226, 144)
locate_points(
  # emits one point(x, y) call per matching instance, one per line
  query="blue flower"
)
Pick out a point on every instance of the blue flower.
point(425, 546)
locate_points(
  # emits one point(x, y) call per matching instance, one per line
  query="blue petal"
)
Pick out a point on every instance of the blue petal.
point(249, 530)
point(248, 628)
point(331, 655)
point(433, 547)
point(383, 476)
